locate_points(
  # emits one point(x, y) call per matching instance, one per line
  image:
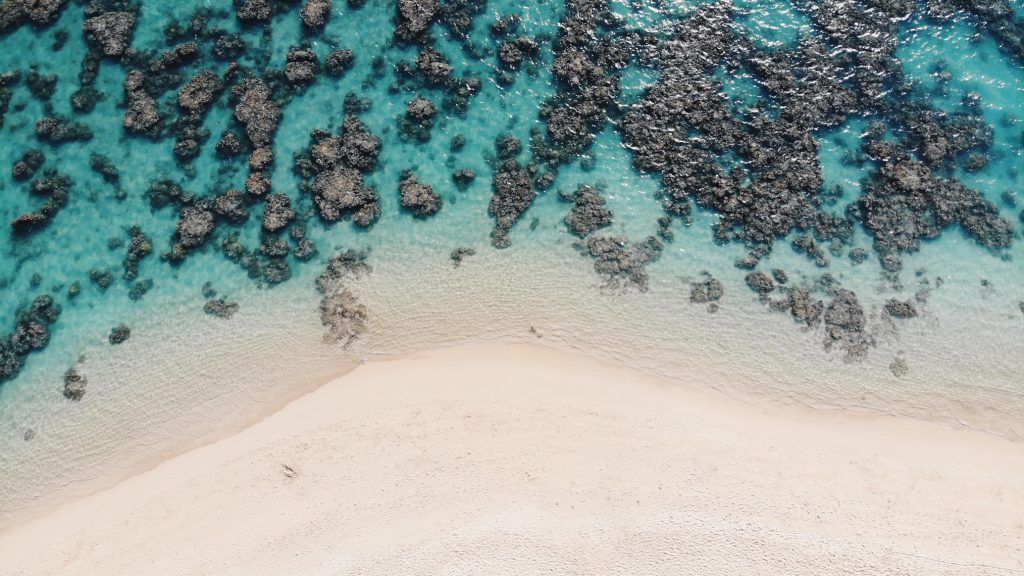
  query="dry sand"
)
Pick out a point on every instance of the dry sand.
point(524, 460)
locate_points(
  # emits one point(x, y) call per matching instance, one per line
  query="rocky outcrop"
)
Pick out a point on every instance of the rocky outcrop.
point(220, 308)
point(74, 385)
point(621, 262)
point(111, 33)
point(588, 212)
point(413, 19)
point(142, 116)
point(417, 197)
point(278, 212)
point(200, 93)
point(315, 13)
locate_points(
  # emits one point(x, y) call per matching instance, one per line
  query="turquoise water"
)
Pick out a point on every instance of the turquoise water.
point(964, 346)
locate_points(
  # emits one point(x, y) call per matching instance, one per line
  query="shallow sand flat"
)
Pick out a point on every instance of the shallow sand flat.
point(524, 460)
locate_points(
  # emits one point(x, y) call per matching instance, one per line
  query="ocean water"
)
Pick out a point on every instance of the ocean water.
point(184, 376)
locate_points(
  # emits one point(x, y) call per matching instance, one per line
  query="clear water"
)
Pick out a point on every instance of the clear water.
point(185, 376)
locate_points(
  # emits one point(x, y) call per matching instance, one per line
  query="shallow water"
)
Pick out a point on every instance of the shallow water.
point(185, 376)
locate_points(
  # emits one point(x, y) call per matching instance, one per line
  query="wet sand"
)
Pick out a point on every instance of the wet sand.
point(522, 459)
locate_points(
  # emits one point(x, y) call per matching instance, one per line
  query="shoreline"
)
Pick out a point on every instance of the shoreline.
point(535, 414)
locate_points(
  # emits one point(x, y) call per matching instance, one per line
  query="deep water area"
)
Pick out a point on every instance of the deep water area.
point(221, 203)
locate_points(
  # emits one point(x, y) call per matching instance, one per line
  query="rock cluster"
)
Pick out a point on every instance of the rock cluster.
point(142, 116)
point(588, 212)
point(340, 311)
point(336, 165)
point(111, 32)
point(623, 262)
point(31, 334)
point(417, 197)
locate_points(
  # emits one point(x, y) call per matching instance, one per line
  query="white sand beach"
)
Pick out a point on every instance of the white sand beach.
point(518, 459)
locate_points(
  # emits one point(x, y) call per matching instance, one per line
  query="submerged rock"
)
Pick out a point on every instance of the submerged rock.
point(200, 93)
point(220, 308)
point(339, 62)
point(119, 334)
point(413, 19)
point(459, 254)
point(417, 197)
point(900, 308)
point(142, 116)
point(710, 290)
point(74, 385)
point(315, 13)
point(302, 67)
point(623, 262)
point(278, 212)
point(513, 194)
point(194, 226)
point(588, 213)
point(110, 32)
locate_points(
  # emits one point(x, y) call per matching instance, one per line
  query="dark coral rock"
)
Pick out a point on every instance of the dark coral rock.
point(621, 261)
point(305, 250)
point(31, 161)
point(57, 130)
point(275, 248)
point(276, 271)
point(195, 225)
point(229, 47)
point(74, 385)
point(101, 278)
point(710, 290)
point(845, 323)
point(588, 212)
point(508, 147)
point(803, 307)
point(84, 99)
point(220, 308)
point(434, 68)
point(418, 119)
point(463, 178)
point(460, 254)
point(231, 205)
point(178, 56)
point(105, 167)
point(316, 13)
point(257, 111)
point(261, 159)
point(904, 203)
point(29, 222)
point(140, 289)
point(780, 275)
point(513, 194)
point(253, 11)
point(339, 62)
point(858, 255)
point(413, 19)
point(302, 67)
point(759, 282)
point(201, 92)
point(228, 146)
point(900, 308)
point(110, 32)
point(512, 53)
point(41, 13)
point(164, 192)
point(119, 334)
point(278, 212)
point(341, 190)
point(141, 116)
point(417, 197)
point(41, 86)
point(139, 247)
